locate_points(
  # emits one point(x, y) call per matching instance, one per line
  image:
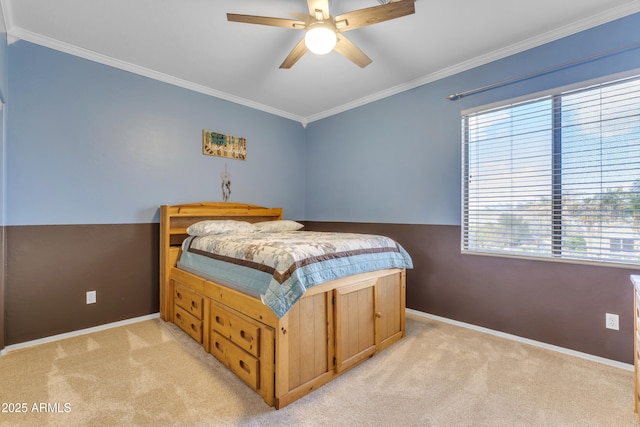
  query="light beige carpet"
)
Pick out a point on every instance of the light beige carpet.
point(152, 374)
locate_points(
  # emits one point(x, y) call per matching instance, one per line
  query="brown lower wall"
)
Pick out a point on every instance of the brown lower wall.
point(552, 302)
point(51, 267)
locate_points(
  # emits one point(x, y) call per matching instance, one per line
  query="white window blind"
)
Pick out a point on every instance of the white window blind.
point(556, 177)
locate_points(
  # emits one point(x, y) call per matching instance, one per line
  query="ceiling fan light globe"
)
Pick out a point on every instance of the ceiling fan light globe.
point(320, 39)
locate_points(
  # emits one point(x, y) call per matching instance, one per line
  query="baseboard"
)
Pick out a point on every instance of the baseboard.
point(78, 333)
point(546, 346)
point(609, 362)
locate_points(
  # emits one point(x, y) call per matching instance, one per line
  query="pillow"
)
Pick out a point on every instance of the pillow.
point(219, 226)
point(277, 226)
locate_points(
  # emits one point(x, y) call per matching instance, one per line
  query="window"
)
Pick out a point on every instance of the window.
point(622, 245)
point(555, 177)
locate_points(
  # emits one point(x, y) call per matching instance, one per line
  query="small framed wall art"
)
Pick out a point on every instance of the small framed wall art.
point(217, 144)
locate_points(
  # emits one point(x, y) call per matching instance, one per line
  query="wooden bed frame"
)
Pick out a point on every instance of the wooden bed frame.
point(333, 327)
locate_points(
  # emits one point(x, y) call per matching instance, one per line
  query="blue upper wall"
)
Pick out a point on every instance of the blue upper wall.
point(398, 160)
point(4, 76)
point(88, 144)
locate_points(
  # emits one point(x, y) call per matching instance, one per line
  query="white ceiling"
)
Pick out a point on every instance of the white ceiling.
point(190, 43)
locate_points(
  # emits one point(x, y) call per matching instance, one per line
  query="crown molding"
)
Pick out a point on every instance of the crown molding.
point(550, 36)
point(17, 33)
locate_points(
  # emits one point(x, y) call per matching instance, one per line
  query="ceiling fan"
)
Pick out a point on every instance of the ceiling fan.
point(323, 32)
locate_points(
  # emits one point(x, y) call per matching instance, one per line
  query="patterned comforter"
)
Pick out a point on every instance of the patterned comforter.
point(281, 266)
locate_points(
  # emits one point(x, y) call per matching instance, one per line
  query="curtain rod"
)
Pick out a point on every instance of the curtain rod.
point(459, 95)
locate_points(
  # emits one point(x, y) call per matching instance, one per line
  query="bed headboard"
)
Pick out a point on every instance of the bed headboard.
point(175, 219)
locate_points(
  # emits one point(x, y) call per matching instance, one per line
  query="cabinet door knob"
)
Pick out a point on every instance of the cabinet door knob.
point(379, 315)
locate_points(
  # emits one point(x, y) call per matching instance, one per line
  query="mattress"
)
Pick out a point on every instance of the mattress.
point(279, 267)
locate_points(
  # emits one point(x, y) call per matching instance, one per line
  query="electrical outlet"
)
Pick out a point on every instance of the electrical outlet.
point(91, 297)
point(612, 321)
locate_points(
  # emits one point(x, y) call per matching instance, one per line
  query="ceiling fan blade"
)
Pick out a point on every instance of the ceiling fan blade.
point(304, 17)
point(295, 54)
point(322, 5)
point(265, 20)
point(346, 48)
point(373, 15)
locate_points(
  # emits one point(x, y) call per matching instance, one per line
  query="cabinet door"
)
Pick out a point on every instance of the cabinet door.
point(354, 323)
point(389, 312)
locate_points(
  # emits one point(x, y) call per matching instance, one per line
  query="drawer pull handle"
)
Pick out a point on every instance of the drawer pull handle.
point(245, 366)
point(193, 326)
point(179, 316)
point(219, 321)
point(178, 295)
point(246, 336)
point(194, 304)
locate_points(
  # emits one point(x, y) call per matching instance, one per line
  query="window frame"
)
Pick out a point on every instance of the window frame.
point(555, 95)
